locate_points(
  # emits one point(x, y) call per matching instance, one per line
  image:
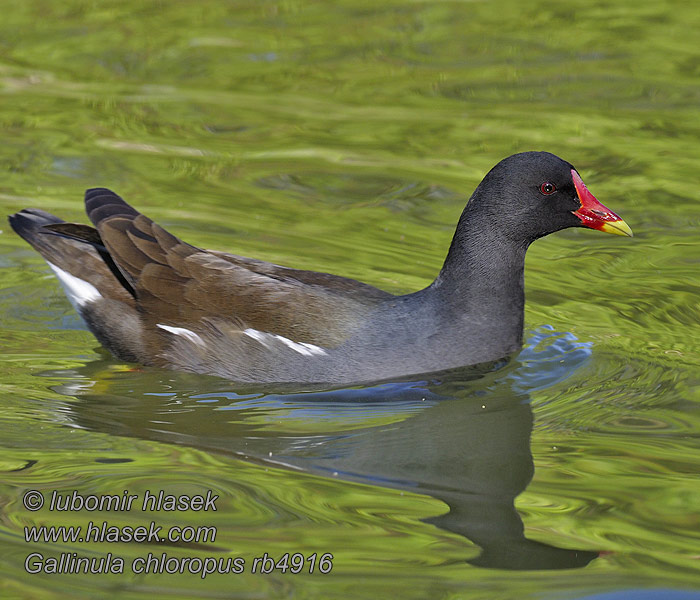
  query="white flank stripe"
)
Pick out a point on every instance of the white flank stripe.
point(258, 336)
point(79, 291)
point(301, 347)
point(190, 335)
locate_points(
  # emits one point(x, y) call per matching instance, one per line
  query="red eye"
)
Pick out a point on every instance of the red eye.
point(548, 188)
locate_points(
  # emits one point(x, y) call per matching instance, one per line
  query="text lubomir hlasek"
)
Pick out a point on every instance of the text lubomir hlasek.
point(151, 502)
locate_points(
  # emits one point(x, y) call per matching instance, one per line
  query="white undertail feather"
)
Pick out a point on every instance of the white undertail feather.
point(79, 291)
point(301, 347)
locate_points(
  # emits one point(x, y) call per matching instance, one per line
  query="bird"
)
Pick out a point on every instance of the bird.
point(153, 299)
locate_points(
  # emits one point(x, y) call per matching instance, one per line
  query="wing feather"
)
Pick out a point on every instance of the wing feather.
point(188, 285)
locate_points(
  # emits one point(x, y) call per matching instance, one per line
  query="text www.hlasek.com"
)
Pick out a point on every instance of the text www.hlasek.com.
point(153, 563)
point(110, 533)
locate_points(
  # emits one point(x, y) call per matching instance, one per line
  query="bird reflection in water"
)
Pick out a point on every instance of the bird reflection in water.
point(462, 437)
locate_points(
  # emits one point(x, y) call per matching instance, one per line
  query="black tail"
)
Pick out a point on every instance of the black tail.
point(28, 224)
point(61, 243)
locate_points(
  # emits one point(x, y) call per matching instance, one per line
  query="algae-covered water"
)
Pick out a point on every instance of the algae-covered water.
point(346, 137)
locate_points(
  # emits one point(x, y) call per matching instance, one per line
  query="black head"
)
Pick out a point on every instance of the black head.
point(529, 195)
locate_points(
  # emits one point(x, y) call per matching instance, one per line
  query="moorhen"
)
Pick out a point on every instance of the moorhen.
point(151, 298)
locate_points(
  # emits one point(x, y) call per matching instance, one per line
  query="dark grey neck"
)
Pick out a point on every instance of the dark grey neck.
point(481, 285)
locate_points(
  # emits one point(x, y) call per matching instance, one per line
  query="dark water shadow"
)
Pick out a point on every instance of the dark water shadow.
point(462, 437)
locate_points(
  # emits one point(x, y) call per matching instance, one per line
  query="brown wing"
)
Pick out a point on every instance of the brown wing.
point(180, 285)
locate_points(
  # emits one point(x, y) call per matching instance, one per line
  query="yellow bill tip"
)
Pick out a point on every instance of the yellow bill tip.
point(617, 228)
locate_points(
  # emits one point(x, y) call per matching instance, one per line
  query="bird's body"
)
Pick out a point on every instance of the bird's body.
point(153, 299)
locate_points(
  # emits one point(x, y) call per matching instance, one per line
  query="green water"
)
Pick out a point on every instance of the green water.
point(345, 137)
